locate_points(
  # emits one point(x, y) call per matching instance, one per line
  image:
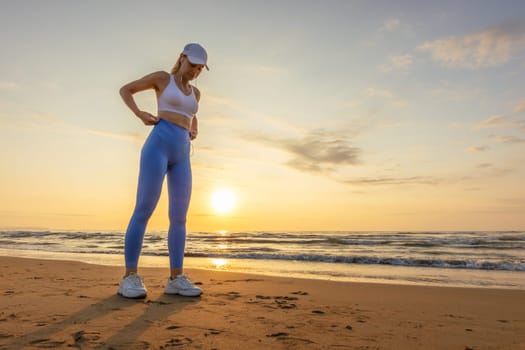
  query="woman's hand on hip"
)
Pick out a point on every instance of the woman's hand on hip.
point(148, 118)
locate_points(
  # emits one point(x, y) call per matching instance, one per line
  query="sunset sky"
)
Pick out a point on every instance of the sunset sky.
point(315, 115)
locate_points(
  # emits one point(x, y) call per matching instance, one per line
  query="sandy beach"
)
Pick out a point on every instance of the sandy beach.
point(61, 304)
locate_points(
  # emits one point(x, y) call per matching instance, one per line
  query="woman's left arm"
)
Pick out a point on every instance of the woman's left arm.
point(194, 129)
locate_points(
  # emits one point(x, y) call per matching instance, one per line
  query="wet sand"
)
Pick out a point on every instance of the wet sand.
point(64, 305)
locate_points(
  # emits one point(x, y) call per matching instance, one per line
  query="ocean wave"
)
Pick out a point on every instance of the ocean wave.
point(372, 260)
point(468, 250)
point(412, 240)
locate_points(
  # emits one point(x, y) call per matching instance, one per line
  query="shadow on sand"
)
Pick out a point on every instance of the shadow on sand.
point(84, 328)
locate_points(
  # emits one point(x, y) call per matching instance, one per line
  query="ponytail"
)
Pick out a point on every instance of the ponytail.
point(177, 65)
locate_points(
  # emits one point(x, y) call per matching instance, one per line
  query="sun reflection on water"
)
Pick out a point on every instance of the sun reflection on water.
point(219, 263)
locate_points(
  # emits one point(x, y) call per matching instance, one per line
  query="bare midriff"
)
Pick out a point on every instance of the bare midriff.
point(176, 118)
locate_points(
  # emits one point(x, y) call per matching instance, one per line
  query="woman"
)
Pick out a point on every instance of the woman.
point(166, 151)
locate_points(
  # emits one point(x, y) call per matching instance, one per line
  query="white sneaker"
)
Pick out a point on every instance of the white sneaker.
point(132, 287)
point(183, 286)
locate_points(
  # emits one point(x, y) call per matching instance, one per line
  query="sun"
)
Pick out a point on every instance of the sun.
point(223, 201)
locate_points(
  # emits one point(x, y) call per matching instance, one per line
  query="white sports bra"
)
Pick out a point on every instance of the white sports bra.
point(172, 99)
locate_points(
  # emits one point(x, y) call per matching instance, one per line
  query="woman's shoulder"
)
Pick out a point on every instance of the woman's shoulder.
point(162, 75)
point(158, 79)
point(155, 77)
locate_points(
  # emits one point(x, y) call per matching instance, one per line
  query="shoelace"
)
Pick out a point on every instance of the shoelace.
point(135, 280)
point(183, 279)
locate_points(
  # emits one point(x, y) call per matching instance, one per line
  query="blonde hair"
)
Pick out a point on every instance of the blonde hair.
point(177, 65)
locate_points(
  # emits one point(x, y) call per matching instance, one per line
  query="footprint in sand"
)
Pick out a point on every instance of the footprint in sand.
point(278, 335)
point(284, 304)
point(286, 298)
point(281, 302)
point(262, 297)
point(172, 327)
point(83, 337)
point(178, 342)
point(47, 343)
point(213, 331)
point(299, 293)
point(229, 295)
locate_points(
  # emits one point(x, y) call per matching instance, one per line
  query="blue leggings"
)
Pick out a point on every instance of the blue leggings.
point(166, 151)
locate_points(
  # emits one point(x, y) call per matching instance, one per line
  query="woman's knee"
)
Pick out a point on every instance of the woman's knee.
point(178, 212)
point(177, 219)
point(142, 213)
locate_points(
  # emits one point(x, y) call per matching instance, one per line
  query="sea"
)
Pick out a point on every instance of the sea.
point(453, 259)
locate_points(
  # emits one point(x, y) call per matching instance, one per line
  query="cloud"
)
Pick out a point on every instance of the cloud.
point(499, 121)
point(317, 152)
point(391, 25)
point(48, 121)
point(395, 25)
point(482, 171)
point(476, 149)
point(456, 125)
point(375, 97)
point(379, 92)
point(487, 48)
point(220, 101)
point(120, 136)
point(40, 121)
point(41, 214)
point(502, 121)
point(386, 94)
point(489, 170)
point(508, 139)
point(520, 107)
point(452, 93)
point(492, 122)
point(397, 63)
point(413, 180)
point(220, 108)
point(8, 85)
point(484, 165)
point(271, 70)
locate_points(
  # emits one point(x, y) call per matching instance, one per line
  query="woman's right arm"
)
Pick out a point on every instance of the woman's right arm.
point(150, 81)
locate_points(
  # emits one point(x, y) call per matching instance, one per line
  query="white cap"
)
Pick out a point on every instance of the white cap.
point(196, 54)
